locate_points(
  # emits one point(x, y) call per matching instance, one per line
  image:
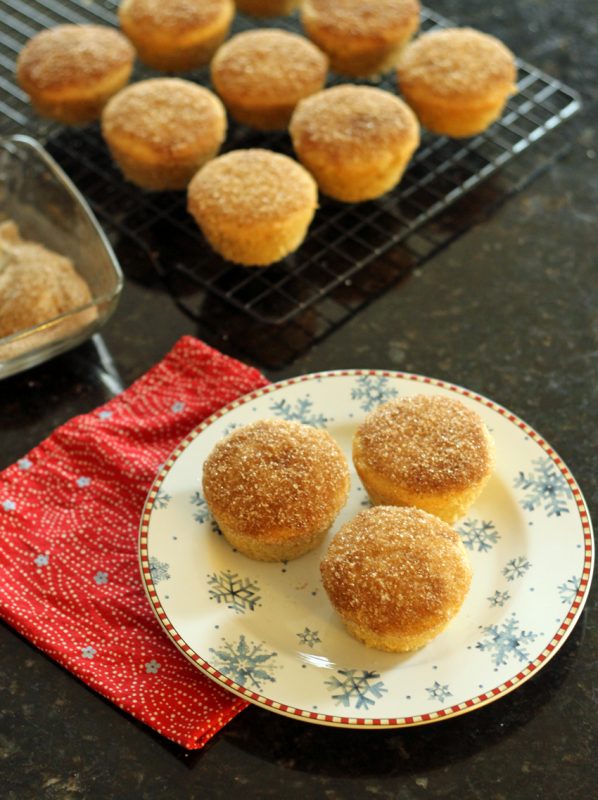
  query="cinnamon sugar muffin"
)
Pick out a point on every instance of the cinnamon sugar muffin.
point(176, 35)
point(253, 206)
point(261, 75)
point(361, 37)
point(70, 71)
point(267, 8)
point(427, 451)
point(355, 140)
point(396, 576)
point(457, 80)
point(162, 130)
point(275, 488)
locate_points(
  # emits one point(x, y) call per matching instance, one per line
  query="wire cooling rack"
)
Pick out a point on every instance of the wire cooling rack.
point(274, 314)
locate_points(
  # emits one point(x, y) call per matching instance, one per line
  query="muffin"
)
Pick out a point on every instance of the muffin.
point(426, 451)
point(275, 488)
point(457, 80)
point(267, 8)
point(71, 71)
point(355, 140)
point(176, 35)
point(396, 577)
point(161, 131)
point(261, 75)
point(361, 37)
point(253, 206)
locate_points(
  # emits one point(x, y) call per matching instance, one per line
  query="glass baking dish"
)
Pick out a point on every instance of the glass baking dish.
point(48, 209)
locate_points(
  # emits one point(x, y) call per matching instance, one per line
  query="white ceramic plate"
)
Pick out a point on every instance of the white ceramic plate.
point(267, 631)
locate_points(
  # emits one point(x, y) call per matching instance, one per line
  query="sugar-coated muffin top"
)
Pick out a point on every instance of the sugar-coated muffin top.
point(381, 18)
point(170, 16)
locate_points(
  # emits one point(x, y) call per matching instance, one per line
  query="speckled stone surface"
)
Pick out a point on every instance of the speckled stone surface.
point(509, 310)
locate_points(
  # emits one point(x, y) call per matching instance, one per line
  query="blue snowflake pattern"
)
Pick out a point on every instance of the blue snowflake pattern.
point(372, 390)
point(203, 512)
point(478, 535)
point(309, 638)
point(438, 692)
point(101, 578)
point(356, 686)
point(158, 570)
point(161, 500)
point(42, 560)
point(239, 594)
point(498, 599)
point(516, 568)
point(506, 641)
point(9, 505)
point(24, 463)
point(83, 481)
point(152, 667)
point(568, 590)
point(88, 652)
point(245, 663)
point(545, 487)
point(230, 428)
point(301, 411)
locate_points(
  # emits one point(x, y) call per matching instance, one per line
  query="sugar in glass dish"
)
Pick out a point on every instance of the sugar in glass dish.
point(48, 209)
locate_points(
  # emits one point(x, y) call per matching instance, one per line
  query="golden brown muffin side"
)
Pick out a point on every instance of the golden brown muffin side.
point(426, 444)
point(267, 8)
point(458, 65)
point(396, 572)
point(362, 19)
point(72, 56)
point(169, 17)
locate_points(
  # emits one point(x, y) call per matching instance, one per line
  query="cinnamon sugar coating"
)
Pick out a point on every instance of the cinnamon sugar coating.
point(458, 64)
point(383, 19)
point(426, 443)
point(176, 17)
point(275, 482)
point(396, 576)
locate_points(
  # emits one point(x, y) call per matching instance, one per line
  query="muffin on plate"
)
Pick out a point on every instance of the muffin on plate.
point(355, 140)
point(361, 37)
point(161, 131)
point(71, 71)
point(428, 451)
point(275, 488)
point(253, 206)
point(457, 80)
point(396, 577)
point(176, 35)
point(267, 8)
point(261, 75)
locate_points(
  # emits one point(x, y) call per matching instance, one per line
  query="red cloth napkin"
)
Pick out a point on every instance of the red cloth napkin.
point(69, 516)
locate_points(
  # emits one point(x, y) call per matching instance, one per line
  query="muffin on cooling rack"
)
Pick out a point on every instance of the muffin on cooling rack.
point(361, 37)
point(275, 488)
point(253, 206)
point(71, 71)
point(267, 8)
point(396, 577)
point(355, 140)
point(176, 35)
point(427, 451)
point(457, 80)
point(261, 75)
point(161, 131)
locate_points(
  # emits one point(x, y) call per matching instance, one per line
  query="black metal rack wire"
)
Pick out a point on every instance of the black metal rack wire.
point(273, 314)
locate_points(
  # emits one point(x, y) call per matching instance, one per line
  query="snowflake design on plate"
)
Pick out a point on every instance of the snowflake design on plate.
point(498, 599)
point(569, 589)
point(230, 428)
point(372, 390)
point(158, 570)
point(516, 568)
point(438, 692)
point(239, 594)
point(162, 499)
point(203, 512)
point(248, 664)
point(301, 411)
point(546, 487)
point(359, 687)
point(9, 505)
point(506, 641)
point(308, 637)
point(478, 535)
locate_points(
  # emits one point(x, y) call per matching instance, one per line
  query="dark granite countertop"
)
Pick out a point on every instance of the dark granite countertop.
point(509, 310)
